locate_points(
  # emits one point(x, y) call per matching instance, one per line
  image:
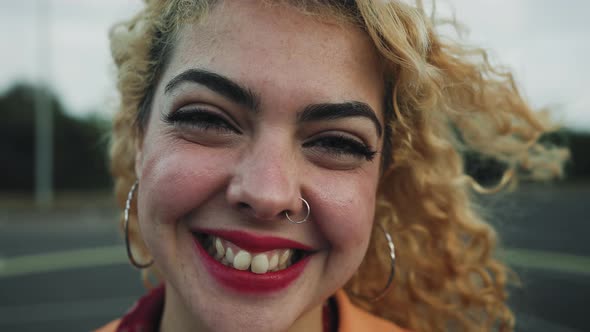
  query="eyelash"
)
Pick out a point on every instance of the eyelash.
point(340, 144)
point(201, 119)
point(205, 120)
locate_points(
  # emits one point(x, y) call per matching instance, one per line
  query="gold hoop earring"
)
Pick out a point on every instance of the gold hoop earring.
point(384, 291)
point(126, 227)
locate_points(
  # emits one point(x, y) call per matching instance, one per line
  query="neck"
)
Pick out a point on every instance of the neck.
point(310, 321)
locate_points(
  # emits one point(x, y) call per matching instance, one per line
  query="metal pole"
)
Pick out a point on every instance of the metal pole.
point(43, 112)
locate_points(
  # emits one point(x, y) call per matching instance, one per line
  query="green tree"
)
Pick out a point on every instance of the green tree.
point(79, 145)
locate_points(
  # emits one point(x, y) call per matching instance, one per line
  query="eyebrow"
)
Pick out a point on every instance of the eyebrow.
point(245, 97)
point(332, 111)
point(219, 84)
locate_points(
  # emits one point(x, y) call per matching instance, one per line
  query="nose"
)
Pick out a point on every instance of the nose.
point(266, 182)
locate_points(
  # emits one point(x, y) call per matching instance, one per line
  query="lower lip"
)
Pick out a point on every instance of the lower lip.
point(249, 282)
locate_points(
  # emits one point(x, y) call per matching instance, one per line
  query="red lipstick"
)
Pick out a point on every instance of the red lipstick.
point(255, 243)
point(246, 281)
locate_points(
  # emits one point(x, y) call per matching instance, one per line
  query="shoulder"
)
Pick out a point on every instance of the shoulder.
point(353, 318)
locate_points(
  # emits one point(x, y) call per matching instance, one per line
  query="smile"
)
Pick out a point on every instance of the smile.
point(229, 254)
point(251, 263)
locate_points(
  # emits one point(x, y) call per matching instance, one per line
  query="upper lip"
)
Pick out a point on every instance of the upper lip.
point(254, 243)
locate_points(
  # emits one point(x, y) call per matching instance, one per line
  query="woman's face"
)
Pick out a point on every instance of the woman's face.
point(258, 107)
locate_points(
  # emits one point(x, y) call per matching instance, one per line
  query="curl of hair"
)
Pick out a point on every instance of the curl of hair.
point(443, 99)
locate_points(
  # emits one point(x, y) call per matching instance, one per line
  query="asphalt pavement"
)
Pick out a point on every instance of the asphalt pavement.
point(65, 269)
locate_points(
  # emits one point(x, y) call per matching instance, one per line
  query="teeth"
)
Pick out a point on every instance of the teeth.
point(231, 255)
point(260, 264)
point(242, 260)
point(274, 262)
point(284, 257)
point(219, 249)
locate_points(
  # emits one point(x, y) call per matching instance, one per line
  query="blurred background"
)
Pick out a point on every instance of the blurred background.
point(62, 261)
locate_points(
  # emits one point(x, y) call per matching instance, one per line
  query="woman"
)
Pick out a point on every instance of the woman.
point(270, 153)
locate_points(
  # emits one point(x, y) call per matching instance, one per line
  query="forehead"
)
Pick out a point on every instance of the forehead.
point(278, 47)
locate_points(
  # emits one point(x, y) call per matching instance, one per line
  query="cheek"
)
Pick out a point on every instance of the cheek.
point(176, 180)
point(347, 217)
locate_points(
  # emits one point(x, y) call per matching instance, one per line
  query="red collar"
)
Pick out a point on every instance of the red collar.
point(146, 314)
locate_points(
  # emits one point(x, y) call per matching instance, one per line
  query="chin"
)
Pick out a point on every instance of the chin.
point(226, 313)
point(213, 296)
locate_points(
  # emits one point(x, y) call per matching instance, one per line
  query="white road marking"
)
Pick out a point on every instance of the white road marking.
point(63, 260)
point(546, 260)
point(115, 254)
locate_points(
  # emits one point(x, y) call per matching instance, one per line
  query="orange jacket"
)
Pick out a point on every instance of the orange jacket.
point(351, 319)
point(354, 319)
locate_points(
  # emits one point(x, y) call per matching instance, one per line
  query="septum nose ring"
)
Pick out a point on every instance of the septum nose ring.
point(306, 216)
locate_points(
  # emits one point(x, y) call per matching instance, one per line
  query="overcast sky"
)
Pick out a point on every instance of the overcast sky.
point(546, 42)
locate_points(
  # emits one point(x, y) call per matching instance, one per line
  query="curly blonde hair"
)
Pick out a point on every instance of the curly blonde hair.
point(442, 100)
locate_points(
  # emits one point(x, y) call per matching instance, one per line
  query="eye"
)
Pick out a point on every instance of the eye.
point(341, 146)
point(201, 119)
